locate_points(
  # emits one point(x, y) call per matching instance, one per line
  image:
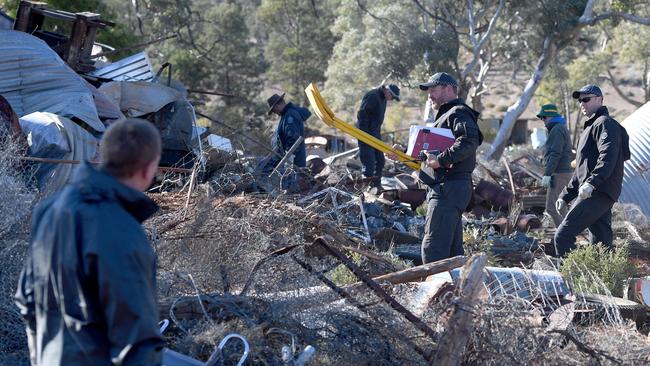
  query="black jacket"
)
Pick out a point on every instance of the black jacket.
point(460, 159)
point(602, 151)
point(87, 291)
point(371, 113)
point(290, 128)
point(557, 150)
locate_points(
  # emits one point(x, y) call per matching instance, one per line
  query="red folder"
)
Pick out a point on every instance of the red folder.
point(431, 139)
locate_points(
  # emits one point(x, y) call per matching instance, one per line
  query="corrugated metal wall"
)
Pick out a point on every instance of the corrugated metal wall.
point(636, 181)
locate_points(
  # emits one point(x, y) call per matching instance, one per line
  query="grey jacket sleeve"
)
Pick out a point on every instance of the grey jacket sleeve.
point(126, 284)
point(608, 137)
point(466, 133)
point(553, 151)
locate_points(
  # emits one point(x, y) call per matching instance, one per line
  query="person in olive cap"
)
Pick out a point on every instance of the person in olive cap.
point(448, 172)
point(369, 119)
point(290, 127)
point(598, 177)
point(557, 159)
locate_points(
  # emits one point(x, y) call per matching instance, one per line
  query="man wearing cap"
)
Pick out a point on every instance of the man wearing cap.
point(449, 171)
point(557, 159)
point(369, 119)
point(598, 177)
point(290, 127)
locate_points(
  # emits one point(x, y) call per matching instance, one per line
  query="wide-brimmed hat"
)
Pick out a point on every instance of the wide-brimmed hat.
point(273, 100)
point(394, 90)
point(439, 78)
point(548, 110)
point(587, 89)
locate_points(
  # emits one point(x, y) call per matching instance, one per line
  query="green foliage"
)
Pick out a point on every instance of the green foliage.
point(612, 267)
point(586, 70)
point(299, 42)
point(632, 41)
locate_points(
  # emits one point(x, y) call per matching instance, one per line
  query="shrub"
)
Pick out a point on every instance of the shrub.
point(584, 266)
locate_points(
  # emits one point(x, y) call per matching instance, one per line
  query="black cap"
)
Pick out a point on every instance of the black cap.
point(439, 78)
point(394, 90)
point(587, 89)
point(273, 100)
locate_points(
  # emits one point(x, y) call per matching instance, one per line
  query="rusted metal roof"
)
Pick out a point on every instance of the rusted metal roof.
point(636, 179)
point(34, 78)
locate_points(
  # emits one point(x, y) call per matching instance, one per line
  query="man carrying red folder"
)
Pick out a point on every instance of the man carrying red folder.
point(448, 172)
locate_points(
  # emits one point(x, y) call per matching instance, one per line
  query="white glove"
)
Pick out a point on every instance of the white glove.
point(585, 190)
point(546, 181)
point(560, 205)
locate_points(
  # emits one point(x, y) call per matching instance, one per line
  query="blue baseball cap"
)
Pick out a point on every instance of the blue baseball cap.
point(439, 78)
point(587, 89)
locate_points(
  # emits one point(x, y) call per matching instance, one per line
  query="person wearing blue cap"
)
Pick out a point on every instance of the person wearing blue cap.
point(449, 172)
point(598, 177)
point(370, 117)
point(557, 159)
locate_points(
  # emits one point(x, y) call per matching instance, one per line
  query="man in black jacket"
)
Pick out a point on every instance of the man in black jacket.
point(598, 177)
point(450, 170)
point(369, 119)
point(87, 291)
point(557, 159)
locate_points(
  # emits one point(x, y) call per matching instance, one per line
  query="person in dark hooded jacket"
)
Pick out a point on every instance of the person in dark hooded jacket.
point(290, 127)
point(370, 117)
point(87, 290)
point(448, 173)
point(597, 179)
point(557, 159)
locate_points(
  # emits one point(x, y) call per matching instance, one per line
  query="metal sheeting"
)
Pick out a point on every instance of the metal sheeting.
point(33, 78)
point(132, 68)
point(636, 179)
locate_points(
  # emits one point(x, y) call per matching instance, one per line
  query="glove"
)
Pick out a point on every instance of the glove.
point(560, 205)
point(585, 190)
point(546, 181)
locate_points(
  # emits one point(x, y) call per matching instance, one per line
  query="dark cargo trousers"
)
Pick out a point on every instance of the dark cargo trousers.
point(443, 228)
point(372, 159)
point(593, 213)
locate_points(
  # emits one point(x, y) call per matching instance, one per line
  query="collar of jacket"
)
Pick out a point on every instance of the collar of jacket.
point(95, 185)
point(452, 103)
point(602, 111)
point(554, 122)
point(286, 106)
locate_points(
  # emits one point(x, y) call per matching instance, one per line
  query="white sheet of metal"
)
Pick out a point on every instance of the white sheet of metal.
point(33, 78)
point(133, 68)
point(636, 179)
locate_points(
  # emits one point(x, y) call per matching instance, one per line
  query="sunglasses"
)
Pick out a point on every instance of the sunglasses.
point(585, 99)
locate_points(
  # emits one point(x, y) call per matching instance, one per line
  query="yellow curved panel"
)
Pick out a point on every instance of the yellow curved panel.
point(322, 110)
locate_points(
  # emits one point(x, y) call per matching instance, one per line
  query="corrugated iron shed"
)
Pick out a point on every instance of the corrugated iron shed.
point(33, 78)
point(636, 181)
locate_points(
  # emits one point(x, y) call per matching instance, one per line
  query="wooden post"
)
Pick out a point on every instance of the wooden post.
point(26, 20)
point(461, 324)
point(83, 36)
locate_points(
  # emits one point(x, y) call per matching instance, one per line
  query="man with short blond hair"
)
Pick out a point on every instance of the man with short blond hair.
point(598, 177)
point(87, 291)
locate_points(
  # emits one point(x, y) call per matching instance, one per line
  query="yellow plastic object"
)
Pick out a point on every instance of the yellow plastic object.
point(326, 115)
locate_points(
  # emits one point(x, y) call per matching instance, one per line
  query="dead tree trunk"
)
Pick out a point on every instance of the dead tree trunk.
point(515, 110)
point(459, 329)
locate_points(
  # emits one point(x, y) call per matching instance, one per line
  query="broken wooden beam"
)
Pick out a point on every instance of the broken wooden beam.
point(419, 272)
point(461, 324)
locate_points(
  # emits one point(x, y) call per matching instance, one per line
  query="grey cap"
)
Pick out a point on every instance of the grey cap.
point(587, 89)
point(439, 78)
